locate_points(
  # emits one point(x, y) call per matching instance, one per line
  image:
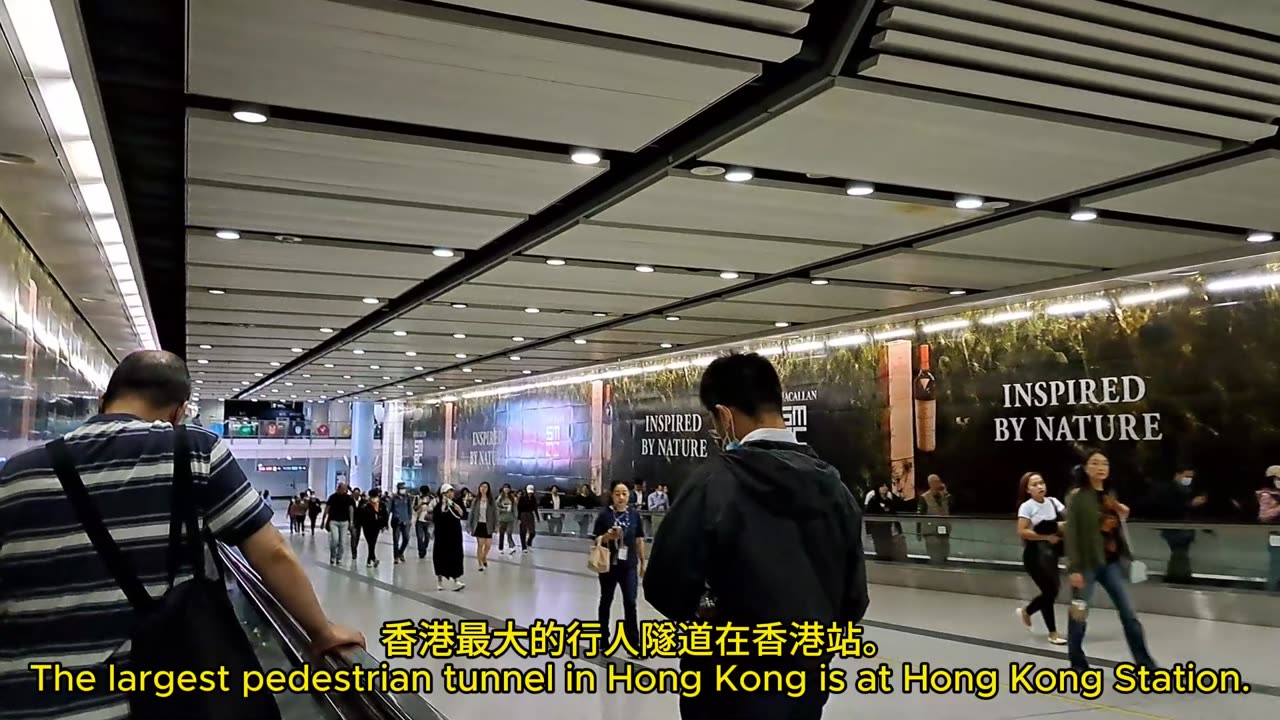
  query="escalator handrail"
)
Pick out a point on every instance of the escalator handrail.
point(379, 705)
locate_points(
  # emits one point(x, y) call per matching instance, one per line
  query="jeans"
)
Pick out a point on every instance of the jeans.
point(504, 534)
point(624, 575)
point(1112, 579)
point(399, 538)
point(528, 529)
point(424, 538)
point(338, 532)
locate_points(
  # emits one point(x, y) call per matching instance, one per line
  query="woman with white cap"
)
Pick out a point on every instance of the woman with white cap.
point(447, 556)
point(527, 506)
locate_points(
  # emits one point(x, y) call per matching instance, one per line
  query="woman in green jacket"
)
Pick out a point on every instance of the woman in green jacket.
point(1097, 555)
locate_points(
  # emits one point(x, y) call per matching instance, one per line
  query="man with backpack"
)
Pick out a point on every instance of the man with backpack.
point(764, 532)
point(103, 557)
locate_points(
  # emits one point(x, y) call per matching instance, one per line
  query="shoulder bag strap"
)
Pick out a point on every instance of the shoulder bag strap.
point(183, 514)
point(115, 560)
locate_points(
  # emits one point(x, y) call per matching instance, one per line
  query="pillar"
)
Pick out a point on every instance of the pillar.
point(362, 460)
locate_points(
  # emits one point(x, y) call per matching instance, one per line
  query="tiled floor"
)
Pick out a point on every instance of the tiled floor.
point(943, 629)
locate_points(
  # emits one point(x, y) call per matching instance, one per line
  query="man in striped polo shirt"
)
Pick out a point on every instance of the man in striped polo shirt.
point(58, 601)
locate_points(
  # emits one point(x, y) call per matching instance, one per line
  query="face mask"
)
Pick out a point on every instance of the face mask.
point(1186, 481)
point(1277, 482)
point(729, 437)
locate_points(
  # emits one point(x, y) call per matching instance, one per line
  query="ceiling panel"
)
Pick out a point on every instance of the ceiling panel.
point(542, 82)
point(694, 326)
point(356, 286)
point(213, 334)
point(943, 270)
point(836, 295)
point(765, 313)
point(1104, 243)
point(1240, 192)
point(533, 274)
point(956, 144)
point(763, 208)
point(650, 338)
point(312, 256)
point(279, 212)
point(741, 253)
point(323, 159)
point(497, 315)
point(559, 299)
point(343, 309)
point(265, 318)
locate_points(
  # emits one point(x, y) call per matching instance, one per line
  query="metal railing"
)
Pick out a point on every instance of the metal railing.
point(293, 641)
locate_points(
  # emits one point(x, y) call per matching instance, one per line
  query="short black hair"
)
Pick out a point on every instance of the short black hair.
point(158, 378)
point(744, 382)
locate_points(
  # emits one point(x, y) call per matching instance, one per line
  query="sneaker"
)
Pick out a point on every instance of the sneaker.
point(1056, 639)
point(440, 583)
point(481, 568)
point(1022, 615)
point(458, 585)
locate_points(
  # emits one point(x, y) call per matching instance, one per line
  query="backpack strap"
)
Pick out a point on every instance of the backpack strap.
point(117, 563)
point(183, 513)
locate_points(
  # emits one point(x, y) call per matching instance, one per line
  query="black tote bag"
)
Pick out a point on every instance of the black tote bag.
point(192, 626)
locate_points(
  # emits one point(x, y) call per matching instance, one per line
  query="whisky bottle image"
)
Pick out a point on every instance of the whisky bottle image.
point(925, 390)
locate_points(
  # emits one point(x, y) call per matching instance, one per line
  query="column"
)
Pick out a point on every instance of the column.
point(362, 460)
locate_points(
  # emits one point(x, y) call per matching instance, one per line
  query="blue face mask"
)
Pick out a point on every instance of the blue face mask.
point(732, 445)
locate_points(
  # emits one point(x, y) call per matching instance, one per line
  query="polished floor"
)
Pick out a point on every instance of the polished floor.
point(946, 630)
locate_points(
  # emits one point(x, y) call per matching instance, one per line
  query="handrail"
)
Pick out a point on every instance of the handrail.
point(378, 705)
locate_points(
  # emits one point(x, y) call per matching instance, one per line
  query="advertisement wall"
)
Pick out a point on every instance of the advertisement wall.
point(1187, 381)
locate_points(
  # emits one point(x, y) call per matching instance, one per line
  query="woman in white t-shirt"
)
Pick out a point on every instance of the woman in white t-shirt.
point(1040, 528)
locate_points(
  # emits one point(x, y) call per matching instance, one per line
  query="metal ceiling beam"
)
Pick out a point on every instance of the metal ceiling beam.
point(837, 29)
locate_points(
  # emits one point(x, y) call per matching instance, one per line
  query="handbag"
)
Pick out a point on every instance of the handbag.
point(193, 626)
point(598, 558)
point(1136, 569)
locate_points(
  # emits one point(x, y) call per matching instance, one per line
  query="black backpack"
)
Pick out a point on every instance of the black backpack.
point(193, 626)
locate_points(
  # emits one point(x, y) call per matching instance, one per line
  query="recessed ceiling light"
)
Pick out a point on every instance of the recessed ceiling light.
point(441, 387)
point(258, 374)
point(244, 382)
point(739, 175)
point(459, 306)
point(969, 202)
point(251, 115)
point(819, 281)
point(375, 367)
point(1260, 237)
point(328, 365)
point(958, 291)
point(477, 380)
point(1084, 215)
point(666, 346)
point(729, 275)
point(584, 156)
point(386, 377)
point(346, 377)
point(370, 301)
point(410, 353)
point(532, 310)
point(408, 392)
point(202, 361)
point(326, 330)
point(460, 336)
point(288, 384)
point(515, 357)
point(707, 170)
point(466, 370)
point(399, 333)
point(430, 379)
point(526, 372)
point(517, 338)
point(419, 368)
point(673, 318)
point(217, 292)
point(199, 382)
point(295, 350)
point(859, 189)
point(442, 252)
point(357, 351)
point(360, 385)
point(227, 235)
point(579, 341)
point(460, 356)
point(556, 262)
point(599, 314)
point(273, 363)
point(206, 347)
point(275, 390)
point(644, 268)
point(306, 375)
point(782, 324)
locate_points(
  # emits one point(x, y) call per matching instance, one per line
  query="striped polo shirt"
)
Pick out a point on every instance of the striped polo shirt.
point(58, 601)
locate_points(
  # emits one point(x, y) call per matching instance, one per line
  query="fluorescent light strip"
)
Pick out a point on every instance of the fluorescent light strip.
point(848, 340)
point(1144, 298)
point(1005, 317)
point(1245, 282)
point(895, 334)
point(805, 346)
point(768, 351)
point(1079, 308)
point(958, 324)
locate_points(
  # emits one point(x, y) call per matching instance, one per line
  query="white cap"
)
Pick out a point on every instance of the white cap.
point(1273, 471)
point(445, 488)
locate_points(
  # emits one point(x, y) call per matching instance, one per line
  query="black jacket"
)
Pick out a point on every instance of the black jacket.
point(369, 519)
point(773, 532)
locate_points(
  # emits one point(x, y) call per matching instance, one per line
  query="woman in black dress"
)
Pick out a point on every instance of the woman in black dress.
point(372, 518)
point(447, 555)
